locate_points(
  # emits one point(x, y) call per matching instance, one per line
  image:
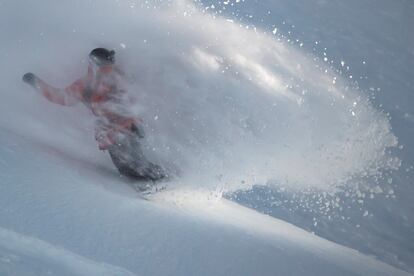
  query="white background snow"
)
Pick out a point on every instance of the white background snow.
point(305, 118)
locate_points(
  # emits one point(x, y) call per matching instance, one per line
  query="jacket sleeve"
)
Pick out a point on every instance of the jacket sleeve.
point(68, 96)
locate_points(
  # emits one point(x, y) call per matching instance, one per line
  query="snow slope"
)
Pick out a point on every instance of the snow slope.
point(22, 255)
point(61, 216)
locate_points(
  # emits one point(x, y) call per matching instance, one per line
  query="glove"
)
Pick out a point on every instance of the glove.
point(29, 78)
point(138, 130)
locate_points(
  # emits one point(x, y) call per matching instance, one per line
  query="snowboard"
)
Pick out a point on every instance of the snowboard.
point(145, 189)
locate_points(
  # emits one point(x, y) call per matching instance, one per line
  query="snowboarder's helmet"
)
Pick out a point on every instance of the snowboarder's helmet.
point(102, 56)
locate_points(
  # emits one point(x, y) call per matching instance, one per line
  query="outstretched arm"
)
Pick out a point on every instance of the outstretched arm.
point(71, 95)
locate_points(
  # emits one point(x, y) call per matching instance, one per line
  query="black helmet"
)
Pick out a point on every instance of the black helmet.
point(102, 56)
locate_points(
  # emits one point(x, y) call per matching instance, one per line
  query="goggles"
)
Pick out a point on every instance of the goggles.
point(103, 61)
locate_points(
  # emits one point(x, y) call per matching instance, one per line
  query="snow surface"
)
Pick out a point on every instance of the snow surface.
point(230, 106)
point(22, 255)
point(64, 218)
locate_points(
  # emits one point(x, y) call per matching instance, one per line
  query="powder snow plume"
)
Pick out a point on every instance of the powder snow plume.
point(229, 106)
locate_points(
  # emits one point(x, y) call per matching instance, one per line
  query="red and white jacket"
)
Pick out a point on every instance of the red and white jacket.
point(99, 90)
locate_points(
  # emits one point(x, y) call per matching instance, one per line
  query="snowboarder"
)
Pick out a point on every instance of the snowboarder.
point(116, 130)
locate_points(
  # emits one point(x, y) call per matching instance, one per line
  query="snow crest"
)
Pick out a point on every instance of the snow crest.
point(23, 255)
